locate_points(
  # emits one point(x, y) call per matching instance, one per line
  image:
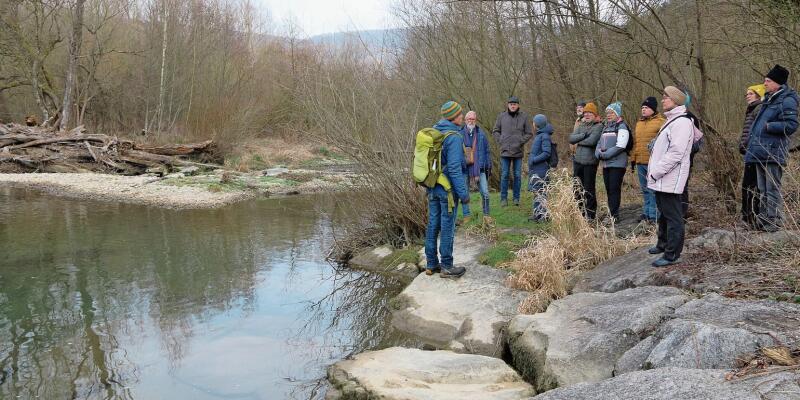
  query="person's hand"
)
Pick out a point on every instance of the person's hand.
point(465, 200)
point(573, 148)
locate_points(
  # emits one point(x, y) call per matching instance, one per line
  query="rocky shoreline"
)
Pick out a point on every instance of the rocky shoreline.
point(627, 331)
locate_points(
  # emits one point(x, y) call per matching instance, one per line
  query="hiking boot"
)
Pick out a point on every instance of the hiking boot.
point(452, 272)
point(504, 203)
point(516, 202)
point(663, 262)
point(655, 250)
point(466, 220)
point(430, 271)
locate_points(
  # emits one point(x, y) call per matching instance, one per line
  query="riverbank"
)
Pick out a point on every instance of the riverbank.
point(188, 189)
point(624, 330)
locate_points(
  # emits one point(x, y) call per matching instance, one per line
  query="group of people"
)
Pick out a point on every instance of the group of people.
point(660, 150)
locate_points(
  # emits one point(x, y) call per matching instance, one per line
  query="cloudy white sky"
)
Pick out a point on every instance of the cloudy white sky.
point(323, 16)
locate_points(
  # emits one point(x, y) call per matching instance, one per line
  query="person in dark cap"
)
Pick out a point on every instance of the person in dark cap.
point(646, 130)
point(512, 130)
point(768, 145)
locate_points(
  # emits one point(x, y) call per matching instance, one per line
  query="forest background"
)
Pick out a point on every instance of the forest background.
point(168, 70)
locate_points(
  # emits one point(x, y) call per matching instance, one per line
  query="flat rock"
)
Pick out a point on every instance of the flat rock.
point(682, 384)
point(466, 249)
point(275, 171)
point(712, 332)
point(580, 337)
point(371, 258)
point(408, 374)
point(624, 272)
point(714, 239)
point(466, 315)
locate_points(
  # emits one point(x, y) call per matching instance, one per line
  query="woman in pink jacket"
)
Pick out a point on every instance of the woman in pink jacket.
point(668, 173)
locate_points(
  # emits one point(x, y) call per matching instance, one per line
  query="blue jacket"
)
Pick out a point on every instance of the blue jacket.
point(455, 167)
point(483, 156)
point(775, 122)
point(541, 148)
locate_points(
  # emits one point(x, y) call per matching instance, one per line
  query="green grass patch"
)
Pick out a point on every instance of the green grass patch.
point(505, 217)
point(410, 254)
point(503, 250)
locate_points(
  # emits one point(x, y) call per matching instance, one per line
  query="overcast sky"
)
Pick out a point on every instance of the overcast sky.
point(323, 16)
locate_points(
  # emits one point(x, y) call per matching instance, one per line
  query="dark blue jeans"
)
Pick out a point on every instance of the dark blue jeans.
point(441, 226)
point(505, 163)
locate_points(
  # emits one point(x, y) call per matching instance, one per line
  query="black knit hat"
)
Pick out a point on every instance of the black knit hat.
point(778, 74)
point(581, 104)
point(651, 103)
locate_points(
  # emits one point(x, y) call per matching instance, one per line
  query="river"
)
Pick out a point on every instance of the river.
point(113, 301)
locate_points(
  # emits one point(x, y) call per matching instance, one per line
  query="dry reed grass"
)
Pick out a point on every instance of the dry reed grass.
point(572, 244)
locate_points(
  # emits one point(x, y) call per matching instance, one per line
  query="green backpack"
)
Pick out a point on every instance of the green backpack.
point(427, 167)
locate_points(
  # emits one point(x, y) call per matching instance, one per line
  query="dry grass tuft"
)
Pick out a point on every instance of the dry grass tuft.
point(572, 244)
point(486, 228)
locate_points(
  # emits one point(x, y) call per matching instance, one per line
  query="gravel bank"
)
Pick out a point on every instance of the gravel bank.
point(144, 190)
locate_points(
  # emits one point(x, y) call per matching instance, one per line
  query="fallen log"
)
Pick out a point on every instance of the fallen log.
point(176, 149)
point(36, 149)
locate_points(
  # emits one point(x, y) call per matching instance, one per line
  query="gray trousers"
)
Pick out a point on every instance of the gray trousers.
point(768, 176)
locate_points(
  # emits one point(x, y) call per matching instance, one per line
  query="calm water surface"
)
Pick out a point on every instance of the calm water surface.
point(108, 301)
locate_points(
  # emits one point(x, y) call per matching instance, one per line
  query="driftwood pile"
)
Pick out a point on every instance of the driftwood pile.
point(35, 149)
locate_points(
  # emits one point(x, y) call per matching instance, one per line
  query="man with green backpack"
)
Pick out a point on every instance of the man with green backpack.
point(439, 165)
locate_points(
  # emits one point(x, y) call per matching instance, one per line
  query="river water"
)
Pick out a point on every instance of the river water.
point(112, 301)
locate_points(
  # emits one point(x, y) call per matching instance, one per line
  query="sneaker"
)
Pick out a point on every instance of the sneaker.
point(663, 262)
point(655, 250)
point(516, 202)
point(430, 271)
point(504, 203)
point(452, 272)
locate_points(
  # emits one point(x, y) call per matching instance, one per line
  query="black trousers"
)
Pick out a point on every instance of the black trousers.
point(612, 178)
point(587, 196)
point(671, 230)
point(750, 196)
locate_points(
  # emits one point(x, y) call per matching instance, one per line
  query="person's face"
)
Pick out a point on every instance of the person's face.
point(459, 120)
point(589, 116)
point(751, 96)
point(579, 110)
point(513, 107)
point(771, 85)
point(647, 112)
point(471, 119)
point(667, 102)
point(611, 116)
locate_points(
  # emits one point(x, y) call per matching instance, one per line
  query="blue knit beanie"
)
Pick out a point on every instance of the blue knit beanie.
point(616, 107)
point(540, 120)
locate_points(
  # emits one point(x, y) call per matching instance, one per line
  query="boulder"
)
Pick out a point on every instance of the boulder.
point(398, 373)
point(189, 171)
point(466, 315)
point(580, 337)
point(712, 332)
point(627, 271)
point(682, 384)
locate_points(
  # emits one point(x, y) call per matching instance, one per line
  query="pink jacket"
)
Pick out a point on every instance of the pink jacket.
point(668, 169)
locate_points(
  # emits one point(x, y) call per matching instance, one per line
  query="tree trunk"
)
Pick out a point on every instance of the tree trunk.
point(161, 87)
point(72, 67)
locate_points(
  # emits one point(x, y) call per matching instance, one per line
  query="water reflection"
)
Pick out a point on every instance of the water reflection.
point(115, 301)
